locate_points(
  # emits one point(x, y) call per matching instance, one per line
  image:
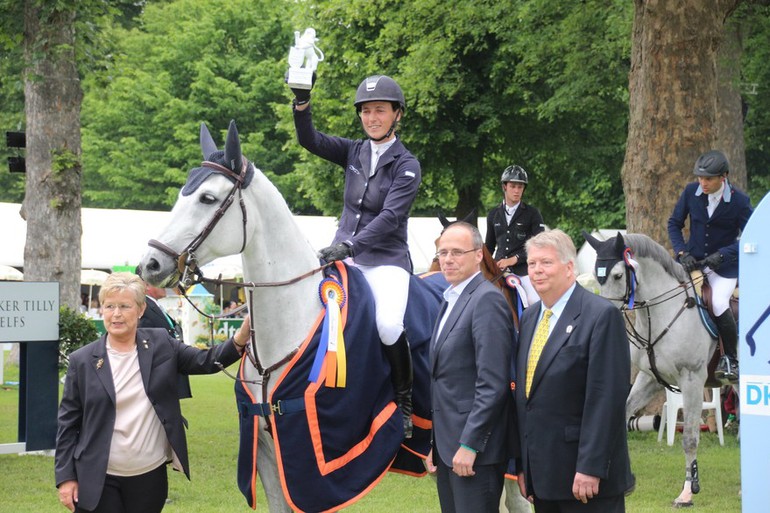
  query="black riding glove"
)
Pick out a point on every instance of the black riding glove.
point(337, 252)
point(301, 96)
point(714, 260)
point(689, 263)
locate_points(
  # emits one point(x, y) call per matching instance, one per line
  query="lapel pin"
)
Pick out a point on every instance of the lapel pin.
point(99, 363)
point(145, 344)
point(569, 329)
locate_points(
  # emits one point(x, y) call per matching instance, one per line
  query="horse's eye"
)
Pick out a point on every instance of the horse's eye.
point(618, 276)
point(207, 199)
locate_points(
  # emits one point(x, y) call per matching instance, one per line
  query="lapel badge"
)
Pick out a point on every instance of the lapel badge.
point(569, 329)
point(144, 342)
point(99, 363)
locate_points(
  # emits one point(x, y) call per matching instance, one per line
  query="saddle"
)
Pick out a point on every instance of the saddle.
point(705, 308)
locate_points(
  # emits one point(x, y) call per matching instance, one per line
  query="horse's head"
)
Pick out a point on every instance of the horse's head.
point(614, 265)
point(202, 227)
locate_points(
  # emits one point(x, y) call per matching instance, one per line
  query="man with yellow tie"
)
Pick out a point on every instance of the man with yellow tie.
point(573, 374)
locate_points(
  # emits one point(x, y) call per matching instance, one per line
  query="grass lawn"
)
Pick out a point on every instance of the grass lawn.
point(27, 483)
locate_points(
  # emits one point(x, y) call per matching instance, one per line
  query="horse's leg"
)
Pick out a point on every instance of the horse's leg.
point(691, 385)
point(268, 472)
point(645, 387)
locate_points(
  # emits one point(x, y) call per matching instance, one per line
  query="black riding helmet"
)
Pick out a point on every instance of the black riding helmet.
point(711, 163)
point(514, 174)
point(380, 88)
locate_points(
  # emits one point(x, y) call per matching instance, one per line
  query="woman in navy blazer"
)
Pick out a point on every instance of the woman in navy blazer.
point(120, 421)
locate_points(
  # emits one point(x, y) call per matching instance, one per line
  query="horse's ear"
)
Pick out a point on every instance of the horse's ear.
point(591, 240)
point(471, 217)
point(208, 146)
point(233, 156)
point(620, 244)
point(444, 221)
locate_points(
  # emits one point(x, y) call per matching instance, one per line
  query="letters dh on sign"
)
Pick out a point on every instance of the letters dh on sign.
point(29, 314)
point(754, 353)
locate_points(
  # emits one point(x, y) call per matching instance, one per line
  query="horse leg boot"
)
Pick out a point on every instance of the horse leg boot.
point(400, 358)
point(727, 369)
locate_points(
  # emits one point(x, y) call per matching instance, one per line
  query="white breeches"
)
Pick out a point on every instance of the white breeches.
point(721, 290)
point(532, 296)
point(390, 288)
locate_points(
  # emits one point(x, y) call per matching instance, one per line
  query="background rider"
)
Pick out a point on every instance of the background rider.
point(718, 213)
point(510, 225)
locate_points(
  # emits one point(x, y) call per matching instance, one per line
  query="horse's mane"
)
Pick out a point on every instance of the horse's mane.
point(644, 247)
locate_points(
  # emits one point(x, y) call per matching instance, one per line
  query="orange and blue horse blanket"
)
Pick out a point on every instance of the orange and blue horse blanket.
point(333, 445)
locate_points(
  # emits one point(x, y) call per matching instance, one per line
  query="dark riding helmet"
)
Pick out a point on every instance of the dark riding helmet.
point(711, 163)
point(379, 88)
point(514, 174)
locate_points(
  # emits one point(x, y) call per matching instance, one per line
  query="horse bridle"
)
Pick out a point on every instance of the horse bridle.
point(187, 263)
point(189, 272)
point(646, 343)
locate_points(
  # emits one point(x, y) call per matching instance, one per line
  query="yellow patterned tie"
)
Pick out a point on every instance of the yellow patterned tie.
point(538, 342)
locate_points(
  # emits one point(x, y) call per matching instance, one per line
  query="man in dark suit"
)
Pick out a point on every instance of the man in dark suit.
point(155, 316)
point(469, 364)
point(573, 369)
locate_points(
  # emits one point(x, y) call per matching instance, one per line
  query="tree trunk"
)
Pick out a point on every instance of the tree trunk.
point(730, 104)
point(672, 104)
point(53, 96)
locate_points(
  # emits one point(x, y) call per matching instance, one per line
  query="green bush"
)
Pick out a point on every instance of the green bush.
point(75, 330)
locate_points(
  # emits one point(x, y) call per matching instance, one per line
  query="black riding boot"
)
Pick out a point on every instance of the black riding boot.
point(727, 369)
point(400, 359)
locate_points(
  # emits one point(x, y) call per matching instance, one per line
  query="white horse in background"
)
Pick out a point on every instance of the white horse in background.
point(669, 342)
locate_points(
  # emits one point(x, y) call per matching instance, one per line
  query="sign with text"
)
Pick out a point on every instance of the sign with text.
point(29, 311)
point(754, 353)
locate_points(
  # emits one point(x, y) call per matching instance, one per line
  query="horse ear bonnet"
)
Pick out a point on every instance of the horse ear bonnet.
point(231, 158)
point(608, 253)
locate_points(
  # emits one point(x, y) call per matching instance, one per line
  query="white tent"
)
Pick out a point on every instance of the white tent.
point(119, 237)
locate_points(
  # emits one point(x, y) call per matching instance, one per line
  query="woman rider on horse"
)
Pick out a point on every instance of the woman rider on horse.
point(381, 182)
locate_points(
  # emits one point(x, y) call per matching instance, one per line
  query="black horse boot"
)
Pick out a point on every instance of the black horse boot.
point(727, 369)
point(400, 358)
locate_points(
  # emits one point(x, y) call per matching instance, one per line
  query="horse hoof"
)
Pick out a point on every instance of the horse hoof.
point(678, 505)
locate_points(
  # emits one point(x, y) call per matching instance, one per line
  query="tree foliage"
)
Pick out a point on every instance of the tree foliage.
point(543, 84)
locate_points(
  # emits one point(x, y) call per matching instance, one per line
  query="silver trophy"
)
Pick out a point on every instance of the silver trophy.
point(304, 57)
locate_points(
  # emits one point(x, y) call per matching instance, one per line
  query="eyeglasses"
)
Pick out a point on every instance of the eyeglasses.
point(111, 308)
point(456, 253)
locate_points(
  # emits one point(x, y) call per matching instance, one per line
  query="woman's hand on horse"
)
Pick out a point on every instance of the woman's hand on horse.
point(243, 335)
point(337, 252)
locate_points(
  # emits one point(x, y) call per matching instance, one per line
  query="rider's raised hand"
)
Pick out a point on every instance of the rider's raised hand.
point(688, 262)
point(714, 260)
point(301, 96)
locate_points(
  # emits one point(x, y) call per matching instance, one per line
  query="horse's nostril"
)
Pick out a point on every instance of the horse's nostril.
point(153, 265)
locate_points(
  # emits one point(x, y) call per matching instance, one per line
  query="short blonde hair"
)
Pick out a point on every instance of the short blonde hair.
point(118, 282)
point(557, 240)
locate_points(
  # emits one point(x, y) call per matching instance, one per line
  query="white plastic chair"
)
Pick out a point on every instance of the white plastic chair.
point(671, 412)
